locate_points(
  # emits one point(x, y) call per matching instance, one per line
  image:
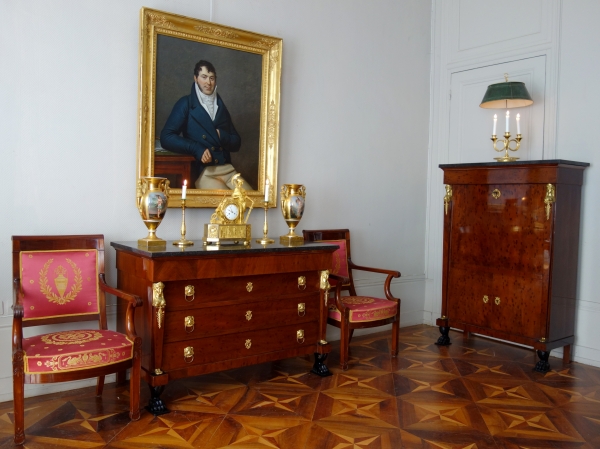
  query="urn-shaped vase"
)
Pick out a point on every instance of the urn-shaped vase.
point(152, 198)
point(292, 207)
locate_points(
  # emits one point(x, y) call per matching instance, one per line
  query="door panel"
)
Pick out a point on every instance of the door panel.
point(508, 233)
point(467, 288)
point(517, 305)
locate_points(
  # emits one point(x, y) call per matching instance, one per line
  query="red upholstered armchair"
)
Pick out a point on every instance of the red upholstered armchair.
point(355, 312)
point(60, 279)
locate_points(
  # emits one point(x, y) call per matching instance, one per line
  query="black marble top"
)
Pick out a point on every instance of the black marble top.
point(515, 163)
point(198, 249)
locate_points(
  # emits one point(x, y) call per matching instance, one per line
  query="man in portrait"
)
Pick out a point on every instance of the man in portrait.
point(200, 125)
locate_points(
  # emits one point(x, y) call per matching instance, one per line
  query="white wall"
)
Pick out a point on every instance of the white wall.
point(566, 35)
point(577, 139)
point(354, 126)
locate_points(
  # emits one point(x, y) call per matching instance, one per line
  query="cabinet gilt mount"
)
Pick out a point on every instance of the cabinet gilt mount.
point(510, 252)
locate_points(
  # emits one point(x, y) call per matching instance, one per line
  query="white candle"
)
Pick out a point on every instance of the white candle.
point(518, 123)
point(267, 185)
point(495, 120)
point(507, 118)
point(184, 190)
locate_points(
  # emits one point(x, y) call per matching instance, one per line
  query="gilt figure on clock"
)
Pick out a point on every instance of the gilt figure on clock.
point(229, 221)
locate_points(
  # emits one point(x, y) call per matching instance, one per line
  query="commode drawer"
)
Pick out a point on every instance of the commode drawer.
point(187, 294)
point(217, 320)
point(237, 345)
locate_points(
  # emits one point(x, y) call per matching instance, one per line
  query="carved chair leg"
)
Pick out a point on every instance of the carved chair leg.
point(395, 335)
point(134, 383)
point(350, 334)
point(344, 343)
point(19, 398)
point(100, 386)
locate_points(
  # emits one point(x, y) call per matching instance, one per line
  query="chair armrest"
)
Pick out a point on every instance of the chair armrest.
point(134, 301)
point(339, 281)
point(388, 281)
point(395, 274)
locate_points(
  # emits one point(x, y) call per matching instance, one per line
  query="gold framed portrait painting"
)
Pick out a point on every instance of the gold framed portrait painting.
point(208, 107)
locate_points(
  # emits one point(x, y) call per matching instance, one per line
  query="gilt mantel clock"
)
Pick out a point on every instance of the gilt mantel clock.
point(229, 221)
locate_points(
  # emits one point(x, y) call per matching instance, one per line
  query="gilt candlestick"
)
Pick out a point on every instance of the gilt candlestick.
point(265, 240)
point(183, 242)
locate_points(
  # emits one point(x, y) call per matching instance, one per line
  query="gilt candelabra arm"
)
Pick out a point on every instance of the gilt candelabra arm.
point(506, 147)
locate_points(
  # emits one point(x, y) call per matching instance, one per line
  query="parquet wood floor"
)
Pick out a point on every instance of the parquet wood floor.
point(477, 393)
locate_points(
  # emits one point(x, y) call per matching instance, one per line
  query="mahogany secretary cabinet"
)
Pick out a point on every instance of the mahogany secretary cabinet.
point(510, 252)
point(212, 308)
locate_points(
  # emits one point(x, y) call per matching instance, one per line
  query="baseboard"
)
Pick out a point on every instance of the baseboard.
point(42, 389)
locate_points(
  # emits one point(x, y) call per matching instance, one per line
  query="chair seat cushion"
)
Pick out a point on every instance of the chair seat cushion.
point(75, 350)
point(364, 309)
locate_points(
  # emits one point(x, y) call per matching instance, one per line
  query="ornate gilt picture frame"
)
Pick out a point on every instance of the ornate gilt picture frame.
point(248, 72)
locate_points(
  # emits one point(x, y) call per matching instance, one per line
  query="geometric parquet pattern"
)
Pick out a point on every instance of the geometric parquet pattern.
point(475, 394)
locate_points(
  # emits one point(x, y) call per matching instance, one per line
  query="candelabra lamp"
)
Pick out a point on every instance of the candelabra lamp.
point(509, 94)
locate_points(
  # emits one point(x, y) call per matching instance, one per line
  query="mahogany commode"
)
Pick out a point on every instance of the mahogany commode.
point(209, 308)
point(510, 252)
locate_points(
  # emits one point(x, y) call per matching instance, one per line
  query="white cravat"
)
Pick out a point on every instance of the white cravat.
point(208, 102)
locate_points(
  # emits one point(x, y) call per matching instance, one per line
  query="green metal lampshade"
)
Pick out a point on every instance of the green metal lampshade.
point(507, 95)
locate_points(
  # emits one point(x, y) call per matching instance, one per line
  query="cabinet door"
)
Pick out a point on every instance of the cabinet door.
point(469, 291)
point(517, 305)
point(500, 242)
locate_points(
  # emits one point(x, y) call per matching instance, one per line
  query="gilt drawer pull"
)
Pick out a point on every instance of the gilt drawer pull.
point(497, 300)
point(485, 299)
point(249, 287)
point(189, 291)
point(248, 343)
point(300, 336)
point(496, 194)
point(248, 315)
point(189, 323)
point(301, 309)
point(188, 354)
point(301, 283)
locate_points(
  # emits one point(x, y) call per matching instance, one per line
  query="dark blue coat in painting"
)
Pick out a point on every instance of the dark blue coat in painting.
point(190, 130)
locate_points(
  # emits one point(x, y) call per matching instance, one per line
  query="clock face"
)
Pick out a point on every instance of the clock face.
point(231, 212)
